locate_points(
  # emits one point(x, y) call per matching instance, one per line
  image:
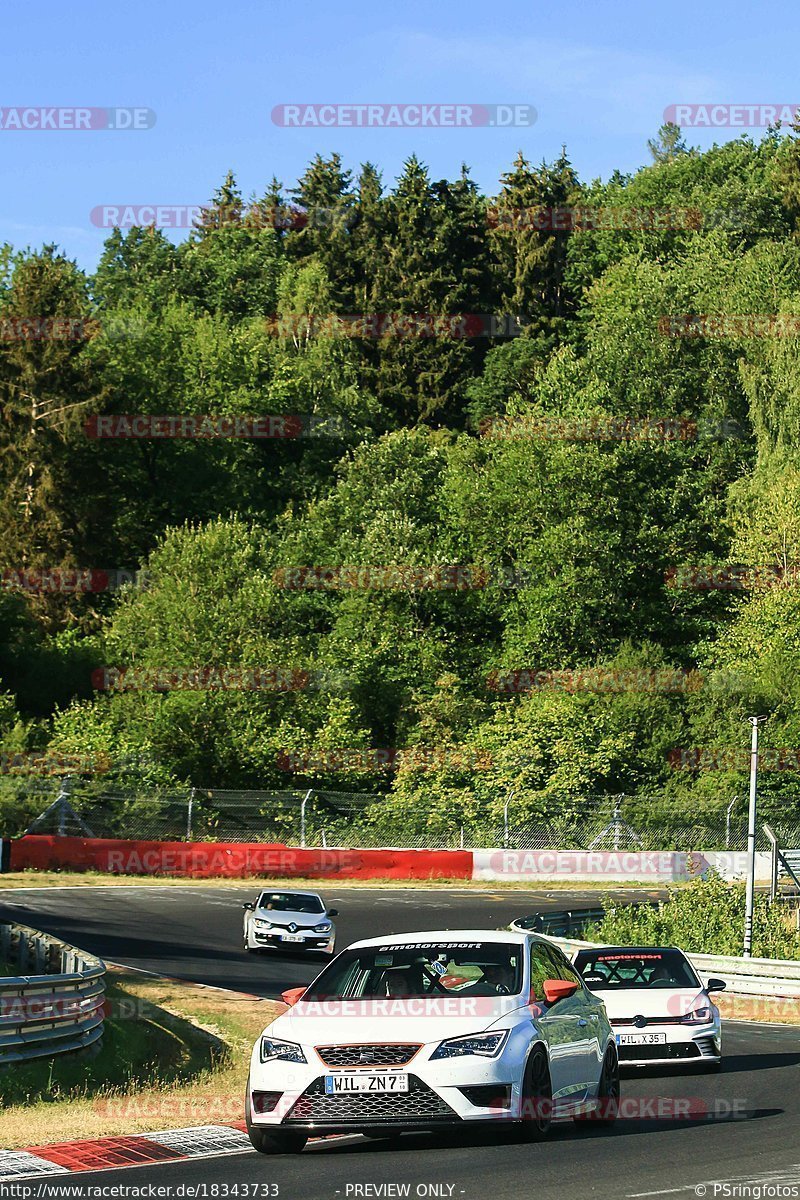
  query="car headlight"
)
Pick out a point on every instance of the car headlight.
point(699, 1016)
point(272, 1049)
point(259, 924)
point(323, 927)
point(487, 1045)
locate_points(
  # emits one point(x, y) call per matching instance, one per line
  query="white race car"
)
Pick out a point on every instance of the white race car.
point(660, 1011)
point(292, 920)
point(422, 1030)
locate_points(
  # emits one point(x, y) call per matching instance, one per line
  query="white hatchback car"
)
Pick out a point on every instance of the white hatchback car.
point(289, 920)
point(660, 1011)
point(423, 1030)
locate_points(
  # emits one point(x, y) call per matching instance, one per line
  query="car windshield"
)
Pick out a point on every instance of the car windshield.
point(291, 902)
point(421, 969)
point(604, 971)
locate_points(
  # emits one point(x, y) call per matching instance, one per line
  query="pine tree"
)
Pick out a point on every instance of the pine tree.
point(531, 219)
point(47, 389)
point(668, 145)
point(226, 207)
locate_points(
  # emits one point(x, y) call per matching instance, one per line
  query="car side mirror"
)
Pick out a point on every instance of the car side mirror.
point(251, 907)
point(716, 985)
point(292, 995)
point(558, 989)
point(333, 912)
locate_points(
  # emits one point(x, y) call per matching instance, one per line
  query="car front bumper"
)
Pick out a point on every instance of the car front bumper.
point(440, 1092)
point(272, 939)
point(684, 1044)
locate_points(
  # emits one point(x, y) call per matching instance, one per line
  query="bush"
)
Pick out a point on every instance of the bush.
point(707, 917)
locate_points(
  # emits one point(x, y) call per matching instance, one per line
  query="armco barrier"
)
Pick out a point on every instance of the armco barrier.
point(201, 860)
point(55, 1003)
point(778, 977)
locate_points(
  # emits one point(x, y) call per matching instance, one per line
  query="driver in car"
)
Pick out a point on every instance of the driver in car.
point(497, 980)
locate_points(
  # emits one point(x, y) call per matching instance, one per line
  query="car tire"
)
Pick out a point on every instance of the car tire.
point(537, 1098)
point(271, 1141)
point(607, 1109)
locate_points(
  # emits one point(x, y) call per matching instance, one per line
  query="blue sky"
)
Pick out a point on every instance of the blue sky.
point(599, 72)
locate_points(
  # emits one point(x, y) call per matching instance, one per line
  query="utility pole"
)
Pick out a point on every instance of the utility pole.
point(751, 839)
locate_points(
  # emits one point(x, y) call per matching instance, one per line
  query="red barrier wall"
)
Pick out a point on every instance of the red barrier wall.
point(202, 860)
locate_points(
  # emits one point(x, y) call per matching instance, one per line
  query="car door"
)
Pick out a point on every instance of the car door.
point(559, 1025)
point(591, 1023)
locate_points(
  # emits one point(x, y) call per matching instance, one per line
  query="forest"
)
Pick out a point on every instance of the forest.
point(414, 491)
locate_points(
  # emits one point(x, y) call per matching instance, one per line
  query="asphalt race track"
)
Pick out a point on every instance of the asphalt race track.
point(745, 1126)
point(196, 932)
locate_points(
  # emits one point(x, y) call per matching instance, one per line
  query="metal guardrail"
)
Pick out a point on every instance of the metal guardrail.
point(56, 1001)
point(559, 924)
point(745, 976)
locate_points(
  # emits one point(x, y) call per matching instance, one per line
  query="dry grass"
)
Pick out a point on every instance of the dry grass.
point(776, 1010)
point(31, 878)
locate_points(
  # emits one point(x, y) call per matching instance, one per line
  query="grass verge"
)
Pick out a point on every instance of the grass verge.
point(33, 878)
point(173, 1055)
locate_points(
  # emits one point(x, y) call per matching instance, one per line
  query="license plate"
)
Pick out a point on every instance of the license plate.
point(641, 1039)
point(334, 1084)
point(292, 937)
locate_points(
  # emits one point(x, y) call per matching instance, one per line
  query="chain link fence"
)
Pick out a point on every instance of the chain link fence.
point(328, 819)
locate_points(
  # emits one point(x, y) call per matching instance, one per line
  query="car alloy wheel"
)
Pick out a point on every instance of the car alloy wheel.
point(608, 1092)
point(537, 1098)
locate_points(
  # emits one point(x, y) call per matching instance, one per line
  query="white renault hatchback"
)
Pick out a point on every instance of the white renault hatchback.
point(289, 920)
point(660, 1011)
point(424, 1030)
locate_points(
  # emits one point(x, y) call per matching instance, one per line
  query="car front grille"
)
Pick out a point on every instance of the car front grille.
point(419, 1104)
point(668, 1050)
point(367, 1055)
point(299, 929)
point(626, 1021)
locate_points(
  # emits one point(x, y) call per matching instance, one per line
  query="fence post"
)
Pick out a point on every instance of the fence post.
point(189, 816)
point(303, 803)
point(509, 798)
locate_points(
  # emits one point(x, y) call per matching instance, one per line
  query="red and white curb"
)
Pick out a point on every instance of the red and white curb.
point(110, 1153)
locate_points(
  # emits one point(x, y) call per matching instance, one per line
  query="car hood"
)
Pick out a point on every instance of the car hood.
point(658, 1002)
point(347, 1022)
point(303, 920)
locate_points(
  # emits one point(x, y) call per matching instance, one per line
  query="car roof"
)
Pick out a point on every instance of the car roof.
point(500, 936)
point(287, 892)
point(632, 950)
